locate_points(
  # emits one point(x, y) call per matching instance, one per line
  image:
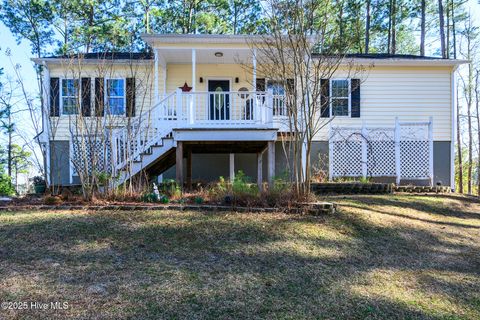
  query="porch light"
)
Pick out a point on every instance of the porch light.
point(219, 54)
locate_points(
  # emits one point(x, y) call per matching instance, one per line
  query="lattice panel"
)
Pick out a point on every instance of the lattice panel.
point(90, 155)
point(352, 147)
point(347, 158)
point(414, 159)
point(414, 151)
point(380, 152)
point(346, 134)
point(414, 132)
point(381, 159)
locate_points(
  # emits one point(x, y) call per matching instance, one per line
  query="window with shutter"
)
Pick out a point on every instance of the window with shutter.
point(115, 100)
point(340, 97)
point(69, 96)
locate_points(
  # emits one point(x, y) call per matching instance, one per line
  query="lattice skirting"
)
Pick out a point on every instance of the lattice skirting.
point(404, 152)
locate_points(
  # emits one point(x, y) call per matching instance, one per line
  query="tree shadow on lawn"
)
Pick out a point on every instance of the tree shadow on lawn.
point(409, 217)
point(426, 205)
point(192, 265)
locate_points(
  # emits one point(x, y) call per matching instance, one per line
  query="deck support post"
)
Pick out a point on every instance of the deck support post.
point(260, 171)
point(179, 163)
point(232, 167)
point(271, 162)
point(189, 168)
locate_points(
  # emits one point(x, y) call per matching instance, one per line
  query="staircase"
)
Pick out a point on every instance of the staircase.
point(146, 141)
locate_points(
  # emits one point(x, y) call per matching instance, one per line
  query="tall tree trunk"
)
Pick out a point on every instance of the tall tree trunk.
point(477, 109)
point(10, 132)
point(422, 29)
point(389, 37)
point(459, 148)
point(367, 27)
point(469, 118)
point(454, 32)
point(442, 29)
point(394, 27)
point(447, 42)
point(459, 133)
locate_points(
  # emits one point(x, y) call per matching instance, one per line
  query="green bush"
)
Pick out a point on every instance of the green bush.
point(170, 188)
point(6, 186)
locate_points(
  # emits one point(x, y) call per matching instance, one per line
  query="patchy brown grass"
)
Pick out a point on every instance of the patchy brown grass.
point(379, 257)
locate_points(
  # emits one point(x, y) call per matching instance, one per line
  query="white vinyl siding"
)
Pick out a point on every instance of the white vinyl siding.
point(409, 93)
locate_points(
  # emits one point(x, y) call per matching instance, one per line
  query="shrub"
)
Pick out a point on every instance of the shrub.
point(6, 186)
point(170, 188)
point(52, 200)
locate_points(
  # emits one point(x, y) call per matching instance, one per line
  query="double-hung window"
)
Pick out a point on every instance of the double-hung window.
point(340, 97)
point(115, 98)
point(70, 96)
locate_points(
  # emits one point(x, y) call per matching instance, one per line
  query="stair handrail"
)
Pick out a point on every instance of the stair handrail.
point(147, 129)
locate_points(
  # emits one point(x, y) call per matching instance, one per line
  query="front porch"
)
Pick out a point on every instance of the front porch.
point(214, 85)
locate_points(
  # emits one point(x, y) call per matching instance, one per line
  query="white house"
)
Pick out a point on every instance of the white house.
point(192, 111)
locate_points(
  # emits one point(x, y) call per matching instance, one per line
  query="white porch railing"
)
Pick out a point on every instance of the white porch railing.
point(233, 109)
point(142, 132)
point(226, 108)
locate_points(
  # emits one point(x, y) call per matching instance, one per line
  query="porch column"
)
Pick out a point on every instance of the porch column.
point(156, 99)
point(254, 63)
point(260, 171)
point(179, 163)
point(232, 167)
point(164, 68)
point(194, 69)
point(271, 162)
point(189, 168)
point(191, 112)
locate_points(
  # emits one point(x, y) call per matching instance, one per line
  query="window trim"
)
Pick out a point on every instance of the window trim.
point(79, 94)
point(106, 108)
point(349, 97)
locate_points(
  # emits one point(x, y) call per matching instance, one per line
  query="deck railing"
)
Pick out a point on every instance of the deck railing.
point(232, 109)
point(226, 108)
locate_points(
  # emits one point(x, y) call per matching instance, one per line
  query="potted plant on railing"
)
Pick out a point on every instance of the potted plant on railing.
point(39, 184)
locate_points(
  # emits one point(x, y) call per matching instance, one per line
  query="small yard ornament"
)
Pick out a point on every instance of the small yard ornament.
point(155, 191)
point(185, 87)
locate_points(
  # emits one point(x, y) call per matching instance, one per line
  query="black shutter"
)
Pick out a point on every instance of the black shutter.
point(355, 83)
point(54, 97)
point(99, 94)
point(86, 90)
point(325, 98)
point(261, 84)
point(130, 95)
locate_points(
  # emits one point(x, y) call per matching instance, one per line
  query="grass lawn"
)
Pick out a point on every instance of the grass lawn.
point(378, 257)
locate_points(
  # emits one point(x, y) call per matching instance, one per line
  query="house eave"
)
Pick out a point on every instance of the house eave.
point(200, 38)
point(66, 62)
point(405, 62)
